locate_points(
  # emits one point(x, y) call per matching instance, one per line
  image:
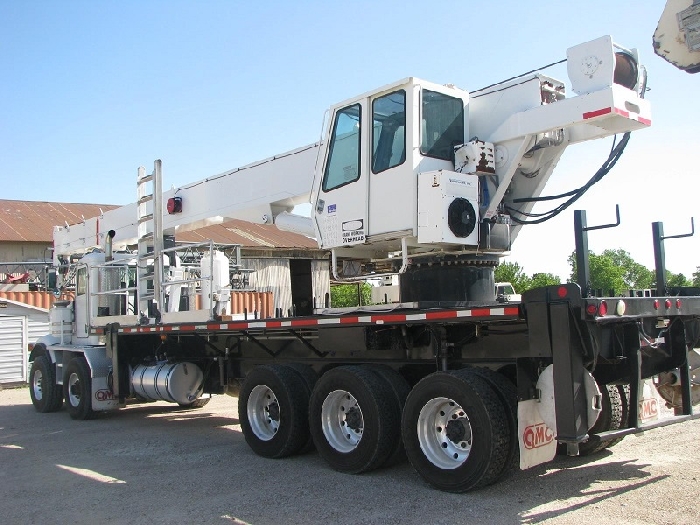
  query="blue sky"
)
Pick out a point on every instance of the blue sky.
point(90, 90)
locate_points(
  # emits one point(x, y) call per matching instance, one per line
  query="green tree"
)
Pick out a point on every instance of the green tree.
point(511, 272)
point(677, 279)
point(544, 279)
point(345, 295)
point(605, 273)
point(696, 276)
point(636, 275)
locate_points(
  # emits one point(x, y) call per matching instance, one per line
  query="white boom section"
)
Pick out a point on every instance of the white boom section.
point(363, 179)
point(257, 193)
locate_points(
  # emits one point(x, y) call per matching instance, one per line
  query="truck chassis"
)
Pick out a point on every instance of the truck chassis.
point(442, 384)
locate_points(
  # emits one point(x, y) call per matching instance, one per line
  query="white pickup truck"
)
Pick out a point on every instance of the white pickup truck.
point(505, 293)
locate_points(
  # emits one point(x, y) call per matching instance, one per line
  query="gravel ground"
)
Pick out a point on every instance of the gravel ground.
point(157, 463)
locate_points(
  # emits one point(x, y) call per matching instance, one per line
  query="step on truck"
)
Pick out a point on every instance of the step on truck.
point(427, 182)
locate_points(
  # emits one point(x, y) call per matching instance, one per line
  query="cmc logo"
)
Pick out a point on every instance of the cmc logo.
point(536, 436)
point(648, 409)
point(104, 395)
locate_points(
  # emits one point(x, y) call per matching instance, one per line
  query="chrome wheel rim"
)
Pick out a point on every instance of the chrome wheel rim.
point(444, 433)
point(342, 421)
point(37, 384)
point(74, 389)
point(263, 412)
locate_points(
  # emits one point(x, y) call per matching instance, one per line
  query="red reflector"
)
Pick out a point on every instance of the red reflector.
point(561, 292)
point(174, 205)
point(656, 304)
point(678, 303)
point(644, 121)
point(667, 303)
point(591, 309)
point(602, 308)
point(593, 114)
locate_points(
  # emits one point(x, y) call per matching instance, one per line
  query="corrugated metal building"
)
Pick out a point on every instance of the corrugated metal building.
point(26, 227)
point(20, 325)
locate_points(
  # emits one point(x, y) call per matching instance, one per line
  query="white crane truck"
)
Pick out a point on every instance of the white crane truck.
point(426, 181)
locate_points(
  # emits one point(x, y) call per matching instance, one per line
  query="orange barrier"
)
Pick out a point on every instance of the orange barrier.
point(251, 302)
point(240, 301)
point(37, 299)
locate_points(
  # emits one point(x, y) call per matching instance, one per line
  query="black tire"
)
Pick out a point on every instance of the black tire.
point(77, 389)
point(479, 415)
point(46, 395)
point(197, 403)
point(400, 388)
point(610, 418)
point(272, 409)
point(508, 394)
point(309, 376)
point(353, 419)
point(624, 391)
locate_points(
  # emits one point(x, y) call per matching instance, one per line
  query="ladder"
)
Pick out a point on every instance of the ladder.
point(150, 242)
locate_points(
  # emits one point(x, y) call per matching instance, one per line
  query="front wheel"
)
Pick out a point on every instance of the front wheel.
point(455, 431)
point(77, 389)
point(46, 395)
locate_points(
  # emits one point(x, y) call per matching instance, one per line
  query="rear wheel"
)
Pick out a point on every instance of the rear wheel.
point(625, 402)
point(77, 389)
point(353, 419)
point(46, 395)
point(610, 418)
point(455, 431)
point(508, 394)
point(272, 408)
point(309, 376)
point(400, 388)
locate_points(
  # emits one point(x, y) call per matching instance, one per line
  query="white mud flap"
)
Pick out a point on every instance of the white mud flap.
point(100, 367)
point(537, 441)
point(649, 404)
point(102, 396)
point(537, 421)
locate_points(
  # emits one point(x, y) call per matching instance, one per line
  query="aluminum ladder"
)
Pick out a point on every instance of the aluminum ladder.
point(150, 242)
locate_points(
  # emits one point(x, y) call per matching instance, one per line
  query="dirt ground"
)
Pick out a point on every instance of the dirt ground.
point(157, 463)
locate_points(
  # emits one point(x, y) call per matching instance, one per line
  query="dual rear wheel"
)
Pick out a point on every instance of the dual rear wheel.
point(457, 428)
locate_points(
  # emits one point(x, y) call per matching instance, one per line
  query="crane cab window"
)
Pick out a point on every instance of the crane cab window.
point(343, 165)
point(388, 131)
point(442, 125)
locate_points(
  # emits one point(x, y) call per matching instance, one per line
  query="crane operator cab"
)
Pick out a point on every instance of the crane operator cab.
point(432, 182)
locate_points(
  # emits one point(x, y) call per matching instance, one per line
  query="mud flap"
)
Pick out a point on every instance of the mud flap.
point(100, 368)
point(537, 441)
point(649, 403)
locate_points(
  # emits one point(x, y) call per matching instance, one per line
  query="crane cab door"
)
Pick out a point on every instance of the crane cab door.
point(341, 202)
